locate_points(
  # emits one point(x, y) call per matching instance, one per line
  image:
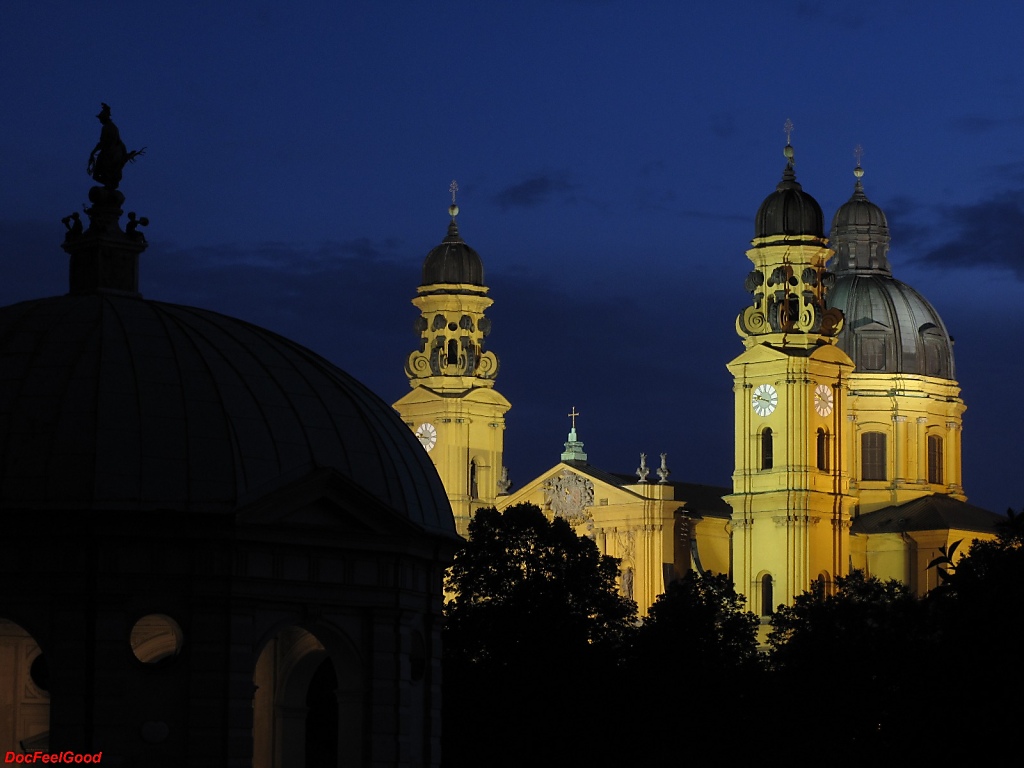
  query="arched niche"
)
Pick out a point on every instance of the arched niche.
point(24, 692)
point(308, 701)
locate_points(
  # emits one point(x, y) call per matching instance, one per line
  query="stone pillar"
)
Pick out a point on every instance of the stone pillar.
point(899, 472)
point(922, 450)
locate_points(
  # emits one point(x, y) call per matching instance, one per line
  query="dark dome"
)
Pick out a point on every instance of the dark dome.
point(453, 262)
point(112, 402)
point(789, 211)
point(860, 234)
point(890, 327)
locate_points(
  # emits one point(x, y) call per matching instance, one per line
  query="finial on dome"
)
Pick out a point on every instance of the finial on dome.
point(788, 150)
point(453, 209)
point(858, 152)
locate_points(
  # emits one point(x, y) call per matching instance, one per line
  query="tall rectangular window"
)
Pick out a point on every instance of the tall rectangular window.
point(767, 457)
point(935, 464)
point(872, 456)
point(822, 449)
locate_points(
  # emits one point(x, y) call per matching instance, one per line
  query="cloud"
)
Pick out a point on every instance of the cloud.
point(532, 192)
point(975, 124)
point(988, 232)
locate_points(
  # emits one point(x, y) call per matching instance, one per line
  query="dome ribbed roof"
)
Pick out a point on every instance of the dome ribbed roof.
point(789, 211)
point(453, 262)
point(112, 402)
point(860, 234)
point(890, 327)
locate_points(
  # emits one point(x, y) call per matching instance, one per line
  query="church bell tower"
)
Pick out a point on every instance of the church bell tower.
point(453, 407)
point(790, 500)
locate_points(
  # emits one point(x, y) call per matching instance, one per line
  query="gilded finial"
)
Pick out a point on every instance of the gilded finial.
point(788, 151)
point(453, 209)
point(858, 152)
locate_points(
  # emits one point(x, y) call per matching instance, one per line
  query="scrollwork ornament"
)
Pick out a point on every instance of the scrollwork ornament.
point(417, 366)
point(487, 367)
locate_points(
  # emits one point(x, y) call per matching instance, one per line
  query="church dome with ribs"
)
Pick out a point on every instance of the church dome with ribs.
point(113, 402)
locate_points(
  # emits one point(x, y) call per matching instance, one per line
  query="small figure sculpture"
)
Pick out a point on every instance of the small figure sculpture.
point(663, 472)
point(504, 483)
point(132, 227)
point(627, 583)
point(642, 471)
point(73, 224)
point(110, 155)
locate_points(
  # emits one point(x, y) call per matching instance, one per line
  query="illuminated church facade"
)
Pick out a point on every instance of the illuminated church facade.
point(847, 420)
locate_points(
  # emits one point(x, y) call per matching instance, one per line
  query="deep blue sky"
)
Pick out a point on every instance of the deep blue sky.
point(610, 156)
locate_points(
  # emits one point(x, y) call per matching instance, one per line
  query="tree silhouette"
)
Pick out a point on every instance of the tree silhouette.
point(534, 624)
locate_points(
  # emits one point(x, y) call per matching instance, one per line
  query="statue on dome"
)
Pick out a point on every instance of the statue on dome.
point(110, 155)
point(73, 225)
point(132, 227)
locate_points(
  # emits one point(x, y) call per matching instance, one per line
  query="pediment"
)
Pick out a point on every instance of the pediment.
point(328, 504)
point(533, 492)
point(867, 324)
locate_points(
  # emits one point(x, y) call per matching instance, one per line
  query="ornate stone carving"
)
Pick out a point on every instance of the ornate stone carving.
point(663, 471)
point(503, 482)
point(642, 471)
point(570, 496)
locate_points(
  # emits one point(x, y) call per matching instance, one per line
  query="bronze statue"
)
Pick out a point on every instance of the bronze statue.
point(132, 227)
point(110, 155)
point(73, 224)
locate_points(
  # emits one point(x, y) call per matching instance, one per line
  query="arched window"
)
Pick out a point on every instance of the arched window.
point(474, 492)
point(767, 459)
point(935, 463)
point(872, 456)
point(453, 352)
point(822, 586)
point(822, 446)
point(24, 691)
point(767, 595)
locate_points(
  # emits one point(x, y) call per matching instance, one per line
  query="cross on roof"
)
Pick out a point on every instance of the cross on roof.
point(573, 416)
point(453, 189)
point(788, 128)
point(858, 152)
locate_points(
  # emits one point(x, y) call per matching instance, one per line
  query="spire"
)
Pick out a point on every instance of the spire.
point(105, 259)
point(453, 211)
point(573, 446)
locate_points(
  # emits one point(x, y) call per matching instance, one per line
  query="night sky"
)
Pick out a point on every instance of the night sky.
point(610, 159)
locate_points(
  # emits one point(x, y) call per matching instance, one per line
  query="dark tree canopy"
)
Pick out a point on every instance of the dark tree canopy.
point(701, 619)
point(533, 628)
point(527, 589)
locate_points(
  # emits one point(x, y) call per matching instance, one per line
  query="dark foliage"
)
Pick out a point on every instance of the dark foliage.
point(533, 634)
point(868, 649)
point(700, 619)
point(529, 591)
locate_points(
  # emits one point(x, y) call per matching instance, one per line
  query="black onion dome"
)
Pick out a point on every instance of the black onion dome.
point(453, 262)
point(890, 327)
point(789, 211)
point(860, 234)
point(112, 402)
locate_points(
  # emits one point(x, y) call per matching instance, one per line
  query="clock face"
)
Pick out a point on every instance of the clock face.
point(764, 400)
point(427, 433)
point(823, 399)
